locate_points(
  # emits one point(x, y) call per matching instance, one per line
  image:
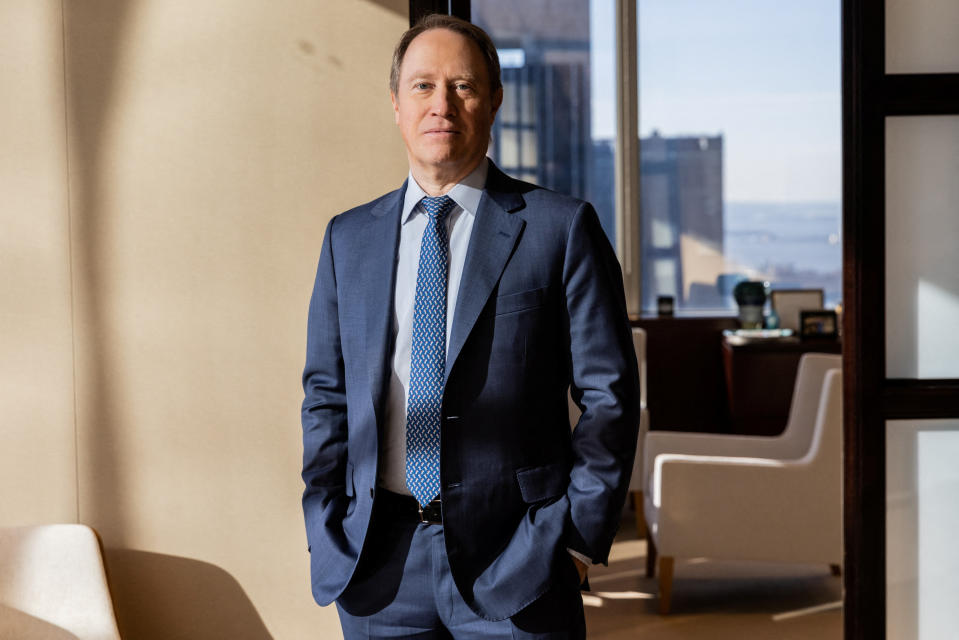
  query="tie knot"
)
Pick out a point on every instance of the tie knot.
point(437, 208)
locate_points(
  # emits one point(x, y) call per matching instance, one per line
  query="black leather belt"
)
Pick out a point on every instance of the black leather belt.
point(406, 507)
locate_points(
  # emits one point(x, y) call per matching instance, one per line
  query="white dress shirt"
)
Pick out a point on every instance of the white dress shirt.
point(459, 226)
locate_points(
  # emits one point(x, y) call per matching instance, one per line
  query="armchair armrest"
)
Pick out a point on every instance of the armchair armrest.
point(657, 443)
point(691, 478)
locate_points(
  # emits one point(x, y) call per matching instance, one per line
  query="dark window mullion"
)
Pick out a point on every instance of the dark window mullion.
point(920, 399)
point(921, 94)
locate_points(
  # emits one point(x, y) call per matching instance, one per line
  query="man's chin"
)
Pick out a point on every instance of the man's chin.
point(445, 156)
point(452, 163)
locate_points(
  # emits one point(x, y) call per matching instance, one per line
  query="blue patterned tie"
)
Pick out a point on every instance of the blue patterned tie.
point(428, 356)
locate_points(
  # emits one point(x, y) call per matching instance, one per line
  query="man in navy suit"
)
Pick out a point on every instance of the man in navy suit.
point(446, 495)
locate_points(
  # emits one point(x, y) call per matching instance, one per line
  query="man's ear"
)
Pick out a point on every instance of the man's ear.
point(396, 107)
point(496, 102)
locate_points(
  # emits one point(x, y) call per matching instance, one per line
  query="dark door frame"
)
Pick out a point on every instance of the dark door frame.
point(871, 399)
point(420, 8)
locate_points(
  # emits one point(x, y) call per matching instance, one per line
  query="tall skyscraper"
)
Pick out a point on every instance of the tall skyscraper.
point(542, 133)
point(681, 191)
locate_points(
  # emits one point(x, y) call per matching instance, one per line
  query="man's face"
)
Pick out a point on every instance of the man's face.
point(443, 105)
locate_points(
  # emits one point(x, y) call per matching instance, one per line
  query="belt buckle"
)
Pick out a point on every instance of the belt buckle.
point(432, 513)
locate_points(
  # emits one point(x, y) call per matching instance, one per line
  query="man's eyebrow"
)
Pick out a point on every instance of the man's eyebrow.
point(468, 75)
point(421, 73)
point(430, 75)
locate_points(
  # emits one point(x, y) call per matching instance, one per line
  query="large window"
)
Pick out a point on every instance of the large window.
point(739, 119)
point(738, 136)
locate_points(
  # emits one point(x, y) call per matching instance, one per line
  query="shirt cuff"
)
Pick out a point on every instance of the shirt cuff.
point(579, 556)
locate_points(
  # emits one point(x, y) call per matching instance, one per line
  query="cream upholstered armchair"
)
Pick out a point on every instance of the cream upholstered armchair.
point(636, 479)
point(775, 499)
point(53, 584)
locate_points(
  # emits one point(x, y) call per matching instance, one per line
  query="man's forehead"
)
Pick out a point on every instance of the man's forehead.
point(422, 59)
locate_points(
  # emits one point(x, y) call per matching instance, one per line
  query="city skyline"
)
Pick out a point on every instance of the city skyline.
point(738, 145)
point(764, 75)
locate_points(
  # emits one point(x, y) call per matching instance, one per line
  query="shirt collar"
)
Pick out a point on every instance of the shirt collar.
point(466, 193)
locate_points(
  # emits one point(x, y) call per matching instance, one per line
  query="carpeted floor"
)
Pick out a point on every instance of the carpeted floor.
point(715, 600)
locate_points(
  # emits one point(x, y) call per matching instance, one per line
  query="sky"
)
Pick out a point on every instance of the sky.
point(763, 73)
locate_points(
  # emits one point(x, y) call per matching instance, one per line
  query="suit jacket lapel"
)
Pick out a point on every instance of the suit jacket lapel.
point(379, 244)
point(495, 232)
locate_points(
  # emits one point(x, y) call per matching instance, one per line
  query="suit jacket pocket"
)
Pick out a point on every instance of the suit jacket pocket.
point(542, 483)
point(513, 302)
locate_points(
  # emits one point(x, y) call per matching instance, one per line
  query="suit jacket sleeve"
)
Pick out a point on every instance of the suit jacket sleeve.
point(605, 385)
point(324, 414)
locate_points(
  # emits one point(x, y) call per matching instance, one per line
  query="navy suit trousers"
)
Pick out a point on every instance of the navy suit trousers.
point(404, 589)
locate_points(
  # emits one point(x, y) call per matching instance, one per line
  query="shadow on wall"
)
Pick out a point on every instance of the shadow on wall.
point(93, 34)
point(161, 597)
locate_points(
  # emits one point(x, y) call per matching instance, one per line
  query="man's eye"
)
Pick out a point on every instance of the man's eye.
point(462, 86)
point(421, 86)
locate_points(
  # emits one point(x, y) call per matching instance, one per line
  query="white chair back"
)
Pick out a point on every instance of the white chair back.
point(796, 439)
point(823, 492)
point(639, 346)
point(826, 446)
point(53, 584)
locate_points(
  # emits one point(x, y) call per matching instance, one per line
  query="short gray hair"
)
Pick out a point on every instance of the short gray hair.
point(456, 25)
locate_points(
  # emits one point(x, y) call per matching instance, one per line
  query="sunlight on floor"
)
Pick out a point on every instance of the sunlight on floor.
point(712, 600)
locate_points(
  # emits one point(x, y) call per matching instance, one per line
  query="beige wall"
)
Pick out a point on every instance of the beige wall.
point(172, 168)
point(37, 430)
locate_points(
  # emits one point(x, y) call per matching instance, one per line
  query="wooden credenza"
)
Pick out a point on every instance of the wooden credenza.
point(685, 386)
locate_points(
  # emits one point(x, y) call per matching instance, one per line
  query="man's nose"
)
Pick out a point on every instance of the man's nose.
point(443, 103)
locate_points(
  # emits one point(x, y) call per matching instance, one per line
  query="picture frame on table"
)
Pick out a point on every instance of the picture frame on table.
point(819, 324)
point(788, 303)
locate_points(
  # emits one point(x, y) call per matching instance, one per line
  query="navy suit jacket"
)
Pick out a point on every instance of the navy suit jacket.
point(540, 308)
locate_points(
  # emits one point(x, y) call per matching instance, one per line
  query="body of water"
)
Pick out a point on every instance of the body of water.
point(798, 244)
